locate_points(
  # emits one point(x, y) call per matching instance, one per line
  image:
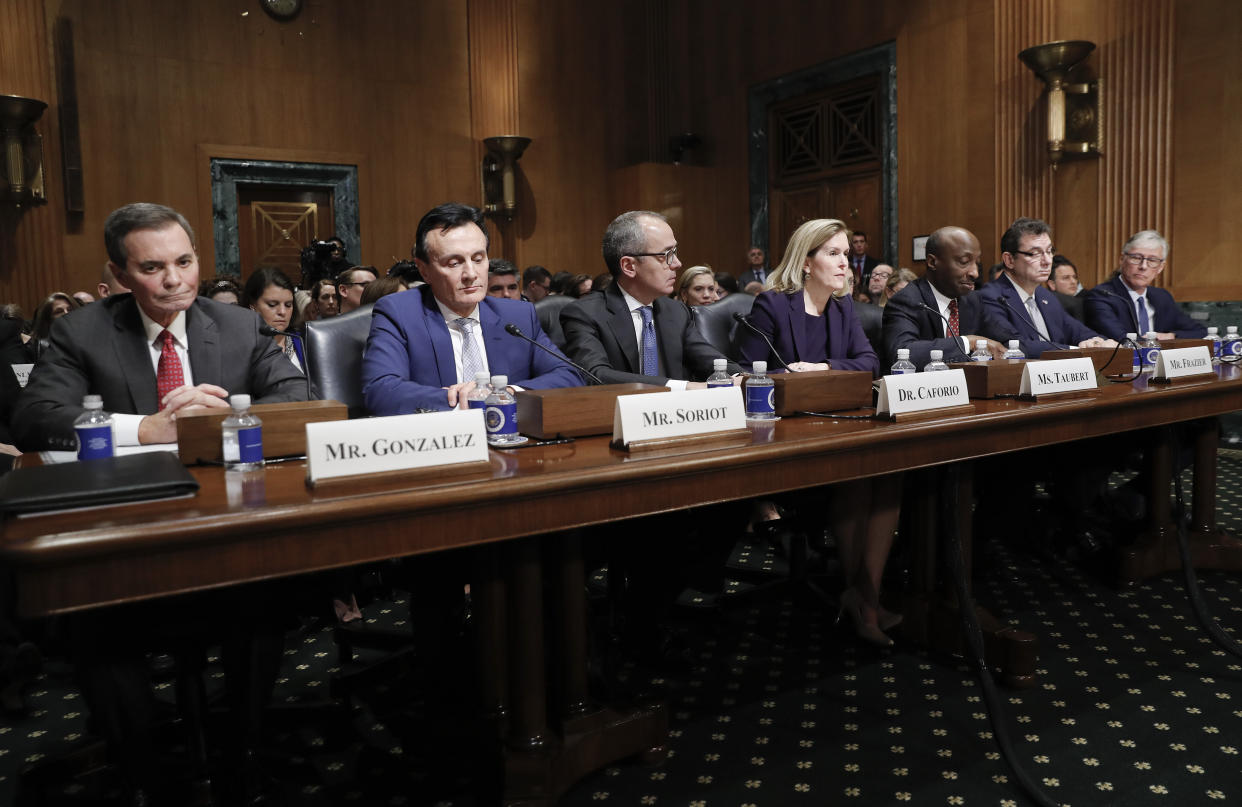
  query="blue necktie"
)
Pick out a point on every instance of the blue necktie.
point(651, 364)
point(1144, 324)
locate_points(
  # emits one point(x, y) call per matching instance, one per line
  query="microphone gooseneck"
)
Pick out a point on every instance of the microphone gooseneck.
point(514, 330)
point(745, 320)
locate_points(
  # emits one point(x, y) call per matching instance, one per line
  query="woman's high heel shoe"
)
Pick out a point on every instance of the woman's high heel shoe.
point(852, 603)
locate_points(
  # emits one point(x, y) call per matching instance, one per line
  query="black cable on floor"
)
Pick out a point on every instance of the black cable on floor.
point(1191, 581)
point(974, 638)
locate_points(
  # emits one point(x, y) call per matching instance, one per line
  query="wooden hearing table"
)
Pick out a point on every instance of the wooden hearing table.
point(269, 524)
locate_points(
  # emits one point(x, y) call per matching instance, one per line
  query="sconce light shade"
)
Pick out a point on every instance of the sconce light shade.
point(22, 164)
point(499, 170)
point(1075, 125)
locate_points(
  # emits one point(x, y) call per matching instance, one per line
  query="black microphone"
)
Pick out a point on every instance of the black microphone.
point(1127, 305)
point(937, 313)
point(514, 330)
point(745, 320)
point(1031, 322)
point(268, 330)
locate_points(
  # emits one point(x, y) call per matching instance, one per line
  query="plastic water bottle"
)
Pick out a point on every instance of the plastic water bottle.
point(1213, 336)
point(1131, 342)
point(903, 364)
point(760, 393)
point(94, 429)
point(1014, 353)
point(1231, 346)
point(1151, 351)
point(242, 437)
point(719, 377)
point(500, 414)
point(936, 363)
point(981, 351)
point(477, 399)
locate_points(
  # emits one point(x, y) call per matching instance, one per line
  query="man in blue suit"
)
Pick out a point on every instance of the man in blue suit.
point(426, 346)
point(1019, 305)
point(1128, 303)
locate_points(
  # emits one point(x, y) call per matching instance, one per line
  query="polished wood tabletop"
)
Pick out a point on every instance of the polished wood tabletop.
point(269, 523)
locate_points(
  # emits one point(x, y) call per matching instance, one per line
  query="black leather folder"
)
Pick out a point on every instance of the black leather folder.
point(133, 478)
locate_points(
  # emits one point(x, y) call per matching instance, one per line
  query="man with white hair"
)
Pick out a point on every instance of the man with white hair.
point(1128, 303)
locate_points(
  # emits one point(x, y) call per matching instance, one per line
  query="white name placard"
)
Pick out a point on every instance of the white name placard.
point(397, 443)
point(1058, 375)
point(1183, 361)
point(22, 371)
point(918, 392)
point(661, 415)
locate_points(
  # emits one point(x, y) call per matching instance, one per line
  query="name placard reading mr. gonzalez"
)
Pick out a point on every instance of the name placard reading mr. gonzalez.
point(397, 443)
point(1183, 361)
point(919, 392)
point(677, 414)
point(1059, 375)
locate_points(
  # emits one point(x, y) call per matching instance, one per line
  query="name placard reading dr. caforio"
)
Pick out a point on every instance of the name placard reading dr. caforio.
point(920, 392)
point(401, 442)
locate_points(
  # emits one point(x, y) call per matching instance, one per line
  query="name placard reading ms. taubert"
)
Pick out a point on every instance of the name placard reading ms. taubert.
point(677, 414)
point(397, 443)
point(1060, 375)
point(1183, 361)
point(918, 392)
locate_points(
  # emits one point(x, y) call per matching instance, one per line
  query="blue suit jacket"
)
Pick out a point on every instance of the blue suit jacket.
point(784, 319)
point(1010, 320)
point(409, 357)
point(1115, 316)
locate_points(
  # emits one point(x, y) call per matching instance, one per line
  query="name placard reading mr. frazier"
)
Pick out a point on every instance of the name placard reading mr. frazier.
point(918, 392)
point(397, 443)
point(1184, 361)
point(677, 414)
point(1059, 375)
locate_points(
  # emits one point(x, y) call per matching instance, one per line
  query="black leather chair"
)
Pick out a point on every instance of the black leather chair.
point(871, 317)
point(716, 321)
point(334, 357)
point(549, 311)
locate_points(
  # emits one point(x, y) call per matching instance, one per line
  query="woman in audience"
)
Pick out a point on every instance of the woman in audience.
point(578, 286)
point(901, 278)
point(222, 290)
point(53, 308)
point(271, 295)
point(381, 287)
point(323, 302)
point(697, 286)
point(809, 317)
point(726, 284)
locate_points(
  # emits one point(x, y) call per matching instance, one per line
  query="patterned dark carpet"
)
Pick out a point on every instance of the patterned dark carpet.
point(1134, 705)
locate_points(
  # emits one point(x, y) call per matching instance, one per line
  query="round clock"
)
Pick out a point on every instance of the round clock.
point(283, 10)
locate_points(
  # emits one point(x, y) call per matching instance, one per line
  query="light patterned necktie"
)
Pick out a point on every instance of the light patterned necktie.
point(471, 361)
point(168, 373)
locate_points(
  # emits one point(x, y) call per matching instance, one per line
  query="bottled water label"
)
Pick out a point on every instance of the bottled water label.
point(714, 384)
point(1150, 355)
point(760, 400)
point(1232, 347)
point(902, 370)
point(477, 403)
point(250, 444)
point(501, 419)
point(94, 442)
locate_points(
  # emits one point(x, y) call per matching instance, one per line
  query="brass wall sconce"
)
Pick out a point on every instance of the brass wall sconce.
point(499, 169)
point(22, 166)
point(1075, 125)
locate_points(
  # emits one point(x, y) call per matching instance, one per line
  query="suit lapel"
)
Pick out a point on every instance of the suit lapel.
point(669, 325)
point(439, 340)
point(493, 334)
point(797, 323)
point(202, 335)
point(938, 325)
point(133, 357)
point(621, 324)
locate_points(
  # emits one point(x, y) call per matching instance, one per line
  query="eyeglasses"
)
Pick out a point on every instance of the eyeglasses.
point(664, 257)
point(363, 283)
point(1147, 260)
point(1036, 254)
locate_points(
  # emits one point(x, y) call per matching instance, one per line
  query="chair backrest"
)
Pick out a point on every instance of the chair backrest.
point(716, 321)
point(549, 311)
point(334, 357)
point(871, 317)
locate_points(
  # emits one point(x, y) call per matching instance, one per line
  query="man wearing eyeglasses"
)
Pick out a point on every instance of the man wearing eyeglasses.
point(350, 285)
point(635, 332)
point(1128, 303)
point(1018, 303)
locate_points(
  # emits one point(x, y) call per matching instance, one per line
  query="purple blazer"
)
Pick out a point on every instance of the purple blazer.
point(784, 319)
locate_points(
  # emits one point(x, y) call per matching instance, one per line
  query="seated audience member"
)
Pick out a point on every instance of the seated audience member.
point(502, 279)
point(808, 316)
point(726, 284)
point(425, 348)
point(536, 283)
point(600, 282)
point(901, 278)
point(697, 286)
point(753, 288)
point(1063, 282)
point(222, 289)
point(53, 308)
point(407, 273)
point(1021, 307)
point(1129, 303)
point(756, 267)
point(270, 294)
point(83, 297)
point(323, 300)
point(559, 282)
point(635, 332)
point(994, 271)
point(350, 284)
point(940, 311)
point(860, 262)
point(108, 284)
point(877, 282)
point(381, 288)
point(578, 286)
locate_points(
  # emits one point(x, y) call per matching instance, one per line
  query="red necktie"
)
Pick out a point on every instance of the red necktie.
point(955, 326)
point(168, 375)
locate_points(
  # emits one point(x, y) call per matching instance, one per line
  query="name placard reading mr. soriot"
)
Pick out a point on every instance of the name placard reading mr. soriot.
point(1183, 362)
point(1059, 375)
point(677, 414)
point(371, 445)
point(919, 392)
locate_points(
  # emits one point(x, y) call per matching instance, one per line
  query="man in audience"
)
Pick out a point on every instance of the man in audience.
point(878, 280)
point(536, 283)
point(756, 268)
point(940, 310)
point(1128, 303)
point(1063, 282)
point(1021, 307)
point(351, 283)
point(860, 261)
point(634, 331)
point(425, 348)
point(502, 279)
point(108, 284)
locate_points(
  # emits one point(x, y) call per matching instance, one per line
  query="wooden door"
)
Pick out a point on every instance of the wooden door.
point(274, 224)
